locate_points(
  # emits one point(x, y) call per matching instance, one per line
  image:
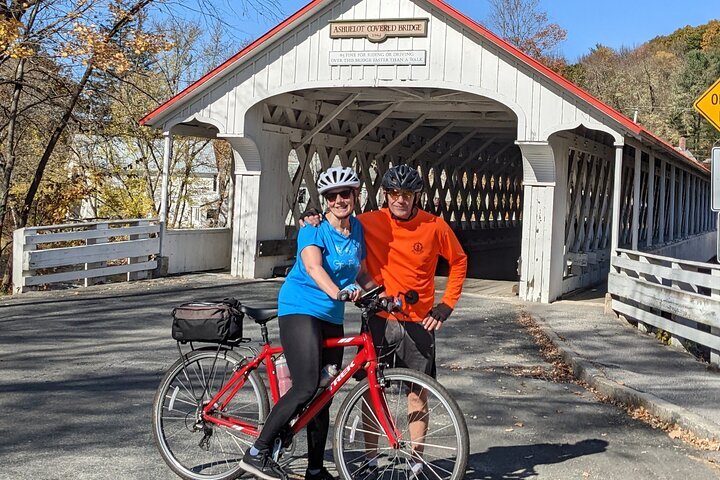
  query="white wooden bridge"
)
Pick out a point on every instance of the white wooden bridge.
point(536, 176)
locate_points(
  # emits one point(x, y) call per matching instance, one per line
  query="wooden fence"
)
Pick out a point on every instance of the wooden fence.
point(677, 296)
point(87, 252)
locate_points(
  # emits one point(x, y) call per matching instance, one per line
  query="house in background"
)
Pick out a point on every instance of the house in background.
point(125, 177)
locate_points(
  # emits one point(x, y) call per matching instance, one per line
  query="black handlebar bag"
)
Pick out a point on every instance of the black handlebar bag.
point(212, 322)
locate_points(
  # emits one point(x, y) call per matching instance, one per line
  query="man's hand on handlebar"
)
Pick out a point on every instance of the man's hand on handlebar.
point(390, 304)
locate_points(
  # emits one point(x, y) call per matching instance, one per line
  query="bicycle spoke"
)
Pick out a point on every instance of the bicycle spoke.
point(195, 449)
point(437, 448)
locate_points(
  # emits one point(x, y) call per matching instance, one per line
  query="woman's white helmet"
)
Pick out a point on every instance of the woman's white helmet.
point(337, 177)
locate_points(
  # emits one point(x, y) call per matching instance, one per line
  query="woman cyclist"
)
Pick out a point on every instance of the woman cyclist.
point(330, 260)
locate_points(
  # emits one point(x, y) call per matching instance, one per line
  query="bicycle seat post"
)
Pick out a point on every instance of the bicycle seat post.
point(265, 335)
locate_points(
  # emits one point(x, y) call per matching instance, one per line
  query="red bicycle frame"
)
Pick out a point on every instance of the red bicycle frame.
point(366, 358)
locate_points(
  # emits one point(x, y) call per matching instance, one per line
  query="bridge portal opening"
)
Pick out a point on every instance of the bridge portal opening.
point(462, 144)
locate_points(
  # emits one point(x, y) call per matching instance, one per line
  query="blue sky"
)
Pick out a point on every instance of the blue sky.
point(614, 23)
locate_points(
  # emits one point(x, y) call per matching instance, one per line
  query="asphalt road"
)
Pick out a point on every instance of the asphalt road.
point(78, 370)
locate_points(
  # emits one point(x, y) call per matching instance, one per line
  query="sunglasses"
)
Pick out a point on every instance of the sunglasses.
point(332, 196)
point(396, 194)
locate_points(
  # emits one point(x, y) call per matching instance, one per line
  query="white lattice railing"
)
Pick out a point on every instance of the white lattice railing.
point(677, 296)
point(87, 252)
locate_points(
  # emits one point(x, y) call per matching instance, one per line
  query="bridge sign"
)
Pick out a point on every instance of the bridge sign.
point(708, 105)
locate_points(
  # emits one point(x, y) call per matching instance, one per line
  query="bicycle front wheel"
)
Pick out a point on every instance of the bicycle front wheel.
point(433, 440)
point(192, 448)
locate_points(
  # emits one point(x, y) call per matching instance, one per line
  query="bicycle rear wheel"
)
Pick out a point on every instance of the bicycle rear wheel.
point(192, 448)
point(363, 452)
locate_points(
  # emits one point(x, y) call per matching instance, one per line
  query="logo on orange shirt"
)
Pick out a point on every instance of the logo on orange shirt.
point(418, 248)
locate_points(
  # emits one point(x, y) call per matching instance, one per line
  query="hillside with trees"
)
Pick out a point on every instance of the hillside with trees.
point(654, 84)
point(657, 82)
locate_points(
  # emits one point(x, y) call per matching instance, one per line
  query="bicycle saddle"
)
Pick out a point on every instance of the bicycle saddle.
point(261, 315)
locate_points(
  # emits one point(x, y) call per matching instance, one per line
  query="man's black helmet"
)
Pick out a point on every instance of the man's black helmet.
point(402, 177)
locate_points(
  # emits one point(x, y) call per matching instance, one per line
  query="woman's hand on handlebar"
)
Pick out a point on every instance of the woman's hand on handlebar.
point(350, 294)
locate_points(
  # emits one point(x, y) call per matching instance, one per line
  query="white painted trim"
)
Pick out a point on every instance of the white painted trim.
point(540, 184)
point(637, 174)
point(650, 221)
point(618, 137)
point(167, 155)
point(617, 192)
point(393, 83)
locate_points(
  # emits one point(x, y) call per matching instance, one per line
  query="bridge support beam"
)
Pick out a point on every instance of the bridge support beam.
point(545, 192)
point(260, 189)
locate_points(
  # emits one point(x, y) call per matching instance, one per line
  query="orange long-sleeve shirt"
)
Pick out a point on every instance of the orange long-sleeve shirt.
point(403, 255)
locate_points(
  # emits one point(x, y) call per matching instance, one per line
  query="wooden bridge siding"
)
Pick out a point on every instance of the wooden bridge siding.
point(476, 188)
point(588, 218)
point(457, 59)
point(672, 202)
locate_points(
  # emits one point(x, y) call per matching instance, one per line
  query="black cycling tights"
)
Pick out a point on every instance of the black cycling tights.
point(301, 337)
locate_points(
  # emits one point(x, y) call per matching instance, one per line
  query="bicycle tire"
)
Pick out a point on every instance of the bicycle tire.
point(446, 444)
point(175, 415)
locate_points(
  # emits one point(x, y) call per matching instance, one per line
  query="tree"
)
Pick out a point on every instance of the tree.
point(658, 82)
point(700, 70)
point(522, 23)
point(54, 54)
point(126, 158)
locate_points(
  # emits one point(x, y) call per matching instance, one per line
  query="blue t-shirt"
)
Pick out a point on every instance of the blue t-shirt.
point(341, 259)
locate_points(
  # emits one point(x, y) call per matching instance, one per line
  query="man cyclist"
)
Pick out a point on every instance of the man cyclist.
point(403, 246)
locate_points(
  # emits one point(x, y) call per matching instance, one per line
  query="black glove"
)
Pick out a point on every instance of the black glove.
point(440, 312)
point(310, 212)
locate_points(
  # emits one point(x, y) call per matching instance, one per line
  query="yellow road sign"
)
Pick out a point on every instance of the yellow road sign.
point(709, 104)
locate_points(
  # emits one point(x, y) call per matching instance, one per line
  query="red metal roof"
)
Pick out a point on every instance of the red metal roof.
point(466, 21)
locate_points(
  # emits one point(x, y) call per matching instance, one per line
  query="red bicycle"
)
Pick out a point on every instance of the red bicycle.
point(211, 404)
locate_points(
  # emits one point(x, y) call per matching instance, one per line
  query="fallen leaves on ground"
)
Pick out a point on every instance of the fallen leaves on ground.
point(561, 372)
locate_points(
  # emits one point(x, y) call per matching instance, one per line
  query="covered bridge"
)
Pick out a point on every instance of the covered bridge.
point(536, 176)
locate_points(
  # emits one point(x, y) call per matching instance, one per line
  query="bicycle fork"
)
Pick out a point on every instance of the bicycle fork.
point(378, 400)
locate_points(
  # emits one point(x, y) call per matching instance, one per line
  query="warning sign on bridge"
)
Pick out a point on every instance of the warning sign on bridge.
point(709, 105)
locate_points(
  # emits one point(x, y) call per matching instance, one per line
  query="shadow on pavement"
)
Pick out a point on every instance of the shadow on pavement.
point(518, 462)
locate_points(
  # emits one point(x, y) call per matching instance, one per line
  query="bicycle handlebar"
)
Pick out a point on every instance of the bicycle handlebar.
point(372, 301)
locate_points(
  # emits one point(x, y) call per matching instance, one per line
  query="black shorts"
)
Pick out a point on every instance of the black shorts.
point(404, 345)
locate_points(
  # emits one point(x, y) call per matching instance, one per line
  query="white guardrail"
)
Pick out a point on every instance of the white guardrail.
point(86, 252)
point(677, 296)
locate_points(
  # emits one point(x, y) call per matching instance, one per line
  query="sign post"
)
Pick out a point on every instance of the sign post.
point(715, 177)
